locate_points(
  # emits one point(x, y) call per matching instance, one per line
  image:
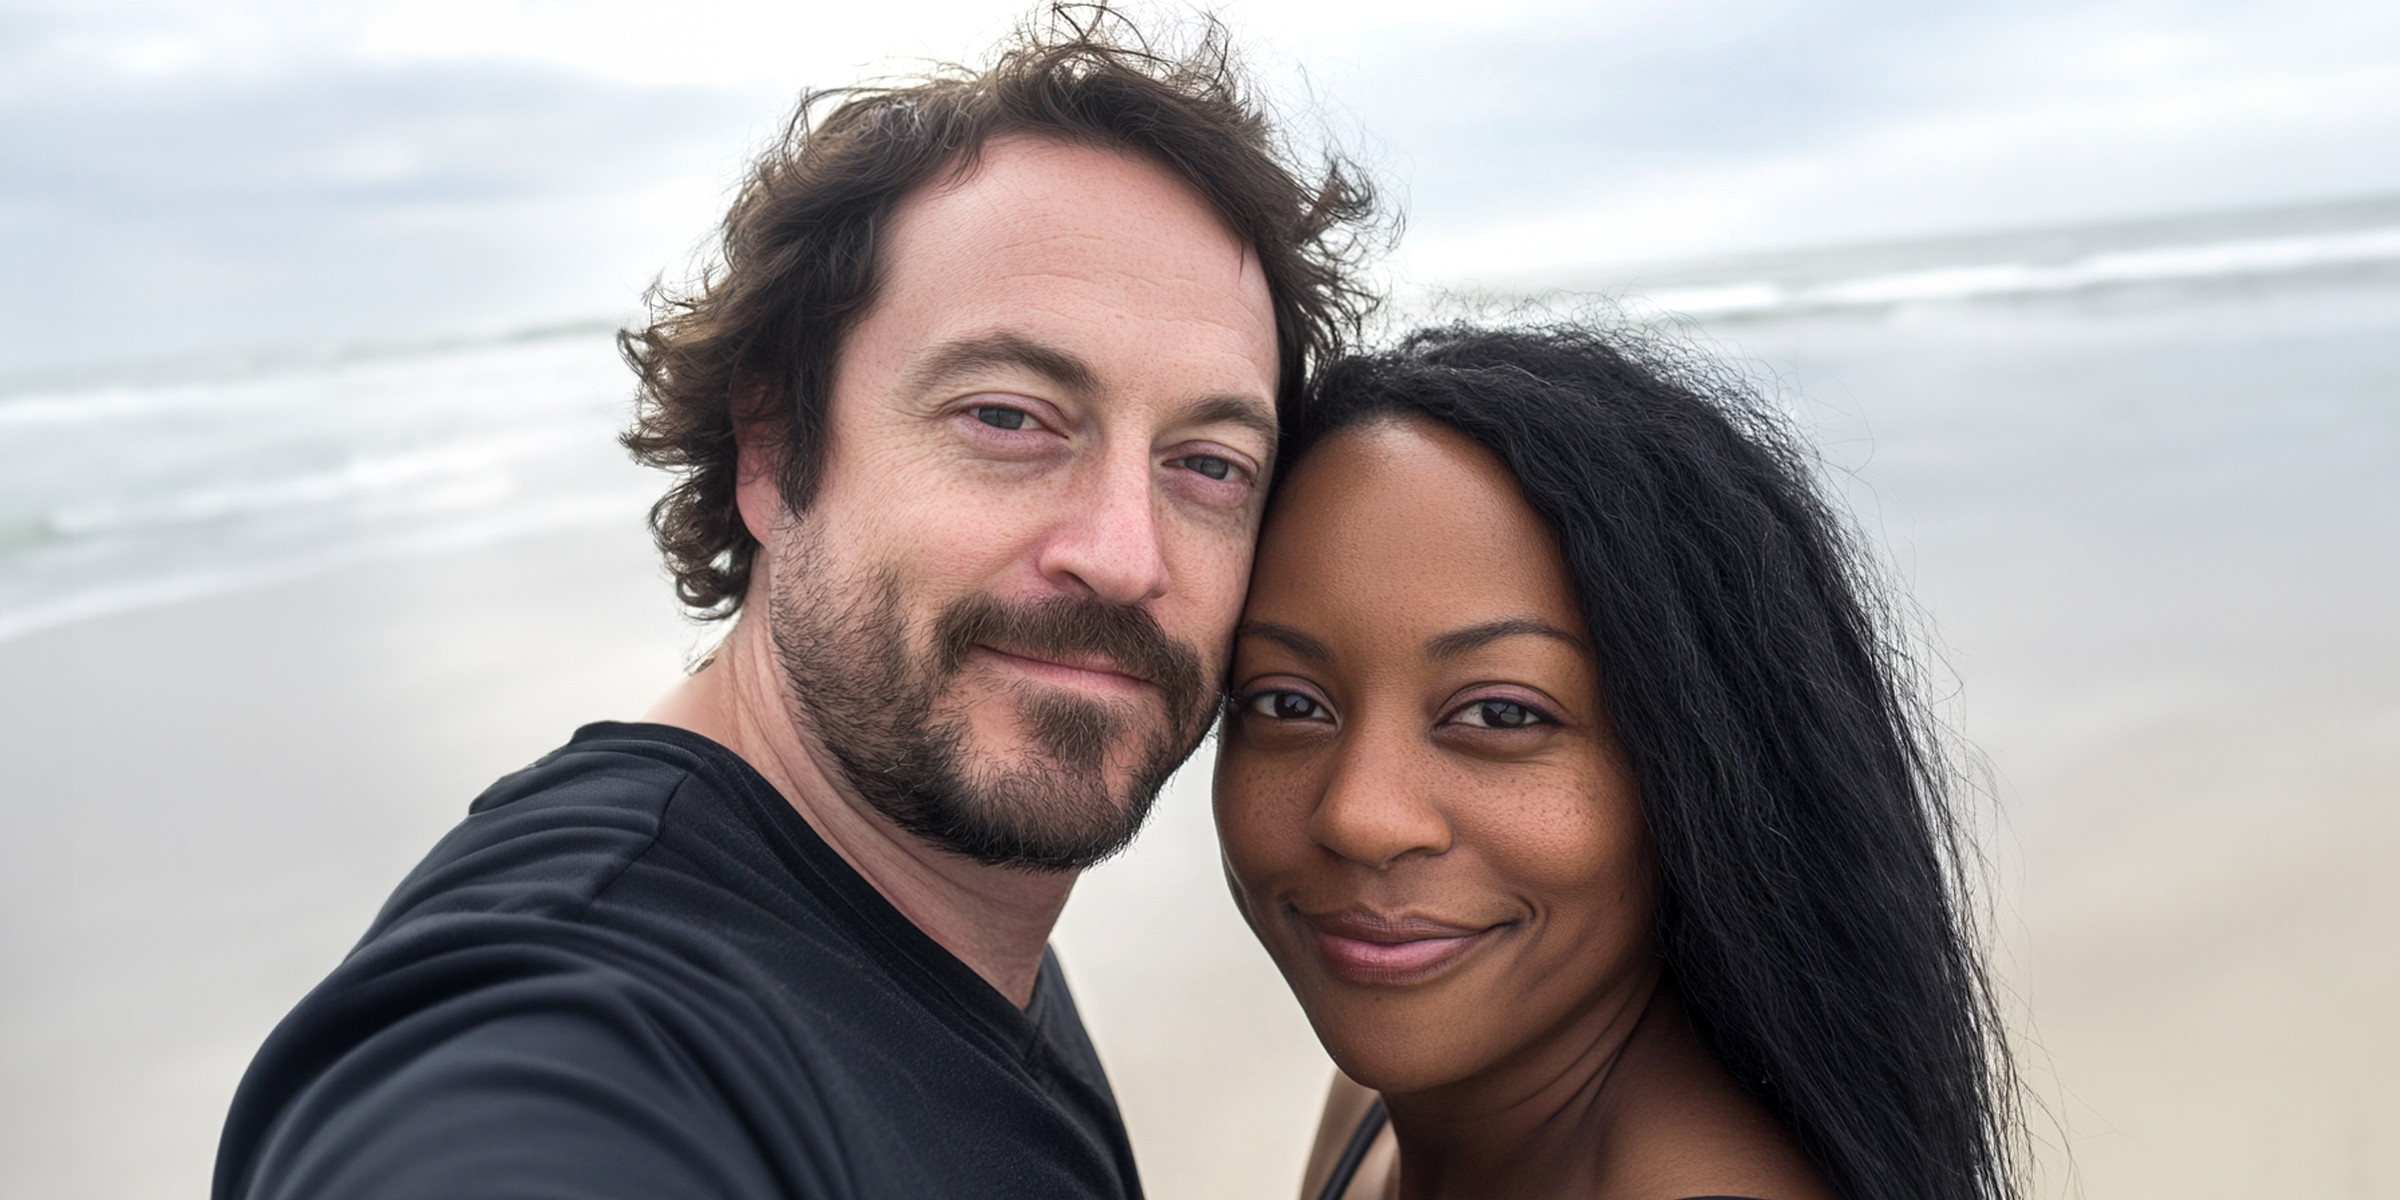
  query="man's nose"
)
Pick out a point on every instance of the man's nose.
point(1109, 542)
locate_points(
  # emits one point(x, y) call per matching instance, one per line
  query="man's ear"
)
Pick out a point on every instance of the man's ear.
point(758, 460)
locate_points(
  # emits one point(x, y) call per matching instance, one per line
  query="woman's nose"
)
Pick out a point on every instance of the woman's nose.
point(1378, 808)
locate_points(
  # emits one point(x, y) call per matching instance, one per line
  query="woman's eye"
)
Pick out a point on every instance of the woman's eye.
point(1287, 706)
point(1207, 464)
point(1000, 416)
point(1498, 714)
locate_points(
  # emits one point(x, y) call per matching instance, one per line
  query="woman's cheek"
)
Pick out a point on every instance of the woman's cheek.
point(1555, 832)
point(1247, 821)
point(1273, 841)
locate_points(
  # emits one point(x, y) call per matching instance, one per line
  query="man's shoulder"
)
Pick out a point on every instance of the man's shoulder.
point(617, 759)
point(550, 838)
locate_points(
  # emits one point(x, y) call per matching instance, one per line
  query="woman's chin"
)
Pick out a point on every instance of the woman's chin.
point(1398, 1053)
point(1397, 1017)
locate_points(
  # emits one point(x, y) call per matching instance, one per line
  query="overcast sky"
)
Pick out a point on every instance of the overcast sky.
point(180, 178)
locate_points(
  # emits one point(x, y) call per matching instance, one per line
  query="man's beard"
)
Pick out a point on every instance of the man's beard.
point(872, 704)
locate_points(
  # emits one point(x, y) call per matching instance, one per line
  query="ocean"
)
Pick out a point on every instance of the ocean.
point(156, 484)
point(138, 485)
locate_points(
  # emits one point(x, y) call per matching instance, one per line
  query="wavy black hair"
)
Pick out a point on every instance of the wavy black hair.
point(1813, 905)
point(757, 337)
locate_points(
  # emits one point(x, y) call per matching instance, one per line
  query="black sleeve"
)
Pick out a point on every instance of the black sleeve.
point(526, 1106)
point(564, 1082)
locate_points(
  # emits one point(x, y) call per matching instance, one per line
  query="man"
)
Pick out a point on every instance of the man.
point(975, 422)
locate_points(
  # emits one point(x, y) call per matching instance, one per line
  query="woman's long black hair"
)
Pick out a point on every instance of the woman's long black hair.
point(1813, 909)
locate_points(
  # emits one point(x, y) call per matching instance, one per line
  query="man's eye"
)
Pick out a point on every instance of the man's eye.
point(1498, 714)
point(1207, 464)
point(1000, 417)
point(1286, 706)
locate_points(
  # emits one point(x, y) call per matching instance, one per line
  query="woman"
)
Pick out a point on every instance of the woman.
point(1573, 779)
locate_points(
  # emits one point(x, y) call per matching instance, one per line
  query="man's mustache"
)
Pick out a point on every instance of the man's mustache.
point(1128, 639)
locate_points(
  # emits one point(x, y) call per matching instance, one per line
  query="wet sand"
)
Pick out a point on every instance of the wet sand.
point(210, 802)
point(2170, 628)
point(2157, 540)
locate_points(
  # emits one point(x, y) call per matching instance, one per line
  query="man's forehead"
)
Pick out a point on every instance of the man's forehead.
point(1088, 266)
point(1029, 199)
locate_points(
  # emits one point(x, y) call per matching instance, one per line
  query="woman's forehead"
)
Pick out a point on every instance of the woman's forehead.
point(1411, 524)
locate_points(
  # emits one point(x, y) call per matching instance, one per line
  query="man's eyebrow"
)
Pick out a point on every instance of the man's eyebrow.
point(1287, 637)
point(969, 355)
point(1476, 637)
point(1236, 410)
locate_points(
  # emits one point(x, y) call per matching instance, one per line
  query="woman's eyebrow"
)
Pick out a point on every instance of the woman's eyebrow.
point(1287, 637)
point(1476, 637)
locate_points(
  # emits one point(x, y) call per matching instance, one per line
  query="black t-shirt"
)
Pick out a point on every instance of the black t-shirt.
point(635, 971)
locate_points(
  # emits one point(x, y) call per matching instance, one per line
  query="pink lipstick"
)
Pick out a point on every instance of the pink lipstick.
point(1365, 948)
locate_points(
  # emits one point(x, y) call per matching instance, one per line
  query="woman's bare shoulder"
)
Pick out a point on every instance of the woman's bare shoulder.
point(1346, 1102)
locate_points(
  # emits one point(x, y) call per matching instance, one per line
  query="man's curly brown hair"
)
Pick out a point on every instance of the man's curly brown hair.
point(756, 337)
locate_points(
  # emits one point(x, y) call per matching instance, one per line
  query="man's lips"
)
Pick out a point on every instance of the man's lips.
point(1089, 673)
point(1364, 947)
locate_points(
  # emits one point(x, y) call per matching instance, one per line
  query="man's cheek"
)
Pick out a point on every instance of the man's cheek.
point(959, 538)
point(1221, 580)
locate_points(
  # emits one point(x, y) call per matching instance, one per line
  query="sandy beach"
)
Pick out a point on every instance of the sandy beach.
point(2158, 549)
point(212, 799)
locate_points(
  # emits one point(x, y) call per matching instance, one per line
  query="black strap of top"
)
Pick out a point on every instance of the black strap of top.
point(1345, 1168)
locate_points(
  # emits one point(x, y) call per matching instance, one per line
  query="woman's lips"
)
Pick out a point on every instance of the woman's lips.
point(1359, 947)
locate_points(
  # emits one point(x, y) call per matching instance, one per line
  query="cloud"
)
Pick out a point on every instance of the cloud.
point(164, 202)
point(182, 176)
point(1566, 137)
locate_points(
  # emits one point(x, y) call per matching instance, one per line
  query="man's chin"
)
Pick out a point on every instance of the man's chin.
point(1019, 805)
point(1046, 783)
point(1010, 770)
point(1033, 731)
point(1027, 821)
